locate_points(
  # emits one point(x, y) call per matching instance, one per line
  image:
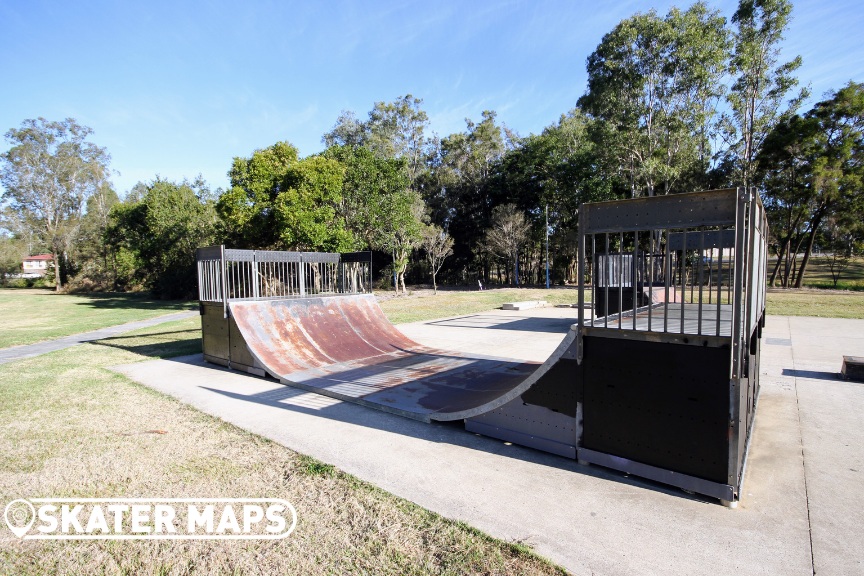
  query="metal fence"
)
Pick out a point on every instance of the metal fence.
point(685, 264)
point(228, 274)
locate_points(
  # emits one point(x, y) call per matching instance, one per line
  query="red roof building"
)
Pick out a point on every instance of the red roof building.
point(38, 264)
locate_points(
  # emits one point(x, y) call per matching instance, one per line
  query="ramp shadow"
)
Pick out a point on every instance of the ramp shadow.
point(295, 400)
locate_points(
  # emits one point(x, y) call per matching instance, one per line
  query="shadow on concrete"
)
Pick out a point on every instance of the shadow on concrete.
point(300, 401)
point(812, 374)
point(519, 323)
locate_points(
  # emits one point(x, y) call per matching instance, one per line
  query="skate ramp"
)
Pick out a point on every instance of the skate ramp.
point(344, 347)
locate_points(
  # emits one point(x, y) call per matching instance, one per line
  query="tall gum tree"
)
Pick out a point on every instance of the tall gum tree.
point(48, 174)
point(757, 100)
point(654, 83)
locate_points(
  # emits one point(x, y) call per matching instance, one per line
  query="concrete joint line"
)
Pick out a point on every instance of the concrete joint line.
point(803, 460)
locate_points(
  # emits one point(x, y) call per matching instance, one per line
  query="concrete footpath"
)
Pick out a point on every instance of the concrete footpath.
point(30, 350)
point(801, 512)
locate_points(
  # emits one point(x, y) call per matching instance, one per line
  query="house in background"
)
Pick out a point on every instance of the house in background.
point(37, 265)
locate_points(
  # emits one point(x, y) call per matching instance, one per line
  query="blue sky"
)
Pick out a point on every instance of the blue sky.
point(180, 88)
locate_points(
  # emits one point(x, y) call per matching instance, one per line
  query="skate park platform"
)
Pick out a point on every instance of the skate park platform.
point(660, 379)
point(801, 511)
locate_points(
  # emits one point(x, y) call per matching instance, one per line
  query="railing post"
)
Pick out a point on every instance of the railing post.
point(256, 293)
point(224, 286)
point(301, 270)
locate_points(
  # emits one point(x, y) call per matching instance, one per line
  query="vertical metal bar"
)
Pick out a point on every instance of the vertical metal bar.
point(651, 262)
point(605, 277)
point(580, 271)
point(667, 264)
point(300, 276)
point(719, 283)
point(620, 264)
point(634, 274)
point(683, 274)
point(701, 274)
point(224, 292)
point(593, 278)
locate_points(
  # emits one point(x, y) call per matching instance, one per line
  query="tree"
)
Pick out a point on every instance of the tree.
point(12, 253)
point(277, 200)
point(394, 130)
point(93, 256)
point(813, 173)
point(48, 175)
point(402, 226)
point(757, 97)
point(247, 207)
point(305, 209)
point(438, 246)
point(369, 184)
point(558, 168)
point(459, 187)
point(654, 82)
point(161, 232)
point(507, 234)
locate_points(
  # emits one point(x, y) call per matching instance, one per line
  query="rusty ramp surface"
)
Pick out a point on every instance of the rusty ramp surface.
point(344, 347)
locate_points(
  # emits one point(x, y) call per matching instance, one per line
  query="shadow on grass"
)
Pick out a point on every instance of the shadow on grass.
point(172, 343)
point(126, 301)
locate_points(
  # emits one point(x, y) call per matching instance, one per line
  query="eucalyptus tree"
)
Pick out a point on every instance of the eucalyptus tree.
point(394, 129)
point(461, 192)
point(558, 169)
point(437, 245)
point(757, 99)
point(654, 82)
point(507, 234)
point(48, 174)
point(812, 169)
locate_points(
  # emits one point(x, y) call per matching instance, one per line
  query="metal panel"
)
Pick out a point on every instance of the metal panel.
point(664, 405)
point(711, 208)
point(530, 426)
point(709, 238)
point(214, 330)
point(671, 477)
point(208, 253)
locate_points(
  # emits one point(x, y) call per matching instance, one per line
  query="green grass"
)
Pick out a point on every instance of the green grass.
point(818, 274)
point(821, 303)
point(418, 308)
point(74, 428)
point(34, 315)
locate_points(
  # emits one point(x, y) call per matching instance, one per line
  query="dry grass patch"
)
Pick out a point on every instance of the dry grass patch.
point(73, 428)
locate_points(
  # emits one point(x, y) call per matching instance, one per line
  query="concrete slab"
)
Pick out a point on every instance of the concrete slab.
point(802, 479)
point(526, 305)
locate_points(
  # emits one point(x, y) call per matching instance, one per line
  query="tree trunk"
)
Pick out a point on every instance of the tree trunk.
point(817, 221)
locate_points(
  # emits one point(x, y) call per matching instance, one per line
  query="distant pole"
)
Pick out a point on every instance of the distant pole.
point(547, 246)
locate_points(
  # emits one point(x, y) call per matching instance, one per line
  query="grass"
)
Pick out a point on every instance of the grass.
point(818, 274)
point(34, 315)
point(809, 302)
point(73, 428)
point(426, 306)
